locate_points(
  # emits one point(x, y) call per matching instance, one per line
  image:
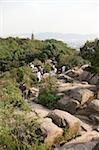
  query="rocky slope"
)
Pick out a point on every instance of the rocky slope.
point(74, 125)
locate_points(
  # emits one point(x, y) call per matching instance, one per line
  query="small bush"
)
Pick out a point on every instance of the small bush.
point(21, 135)
point(37, 62)
point(47, 95)
point(10, 96)
point(20, 75)
point(50, 83)
point(48, 98)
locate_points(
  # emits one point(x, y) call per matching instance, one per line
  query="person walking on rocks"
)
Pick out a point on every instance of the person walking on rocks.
point(22, 87)
point(55, 70)
point(39, 75)
point(63, 69)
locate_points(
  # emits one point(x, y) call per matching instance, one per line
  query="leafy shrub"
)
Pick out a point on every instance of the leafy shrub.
point(47, 95)
point(20, 75)
point(23, 74)
point(49, 83)
point(90, 52)
point(7, 141)
point(10, 95)
point(43, 57)
point(37, 62)
point(29, 76)
point(33, 77)
point(22, 134)
point(48, 98)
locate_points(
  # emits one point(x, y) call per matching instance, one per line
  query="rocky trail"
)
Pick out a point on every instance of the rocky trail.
point(77, 112)
point(39, 109)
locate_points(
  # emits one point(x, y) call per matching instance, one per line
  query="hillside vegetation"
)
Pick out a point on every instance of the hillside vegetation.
point(15, 52)
point(90, 51)
point(17, 132)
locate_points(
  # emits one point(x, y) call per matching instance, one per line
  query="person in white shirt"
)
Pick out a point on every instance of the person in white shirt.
point(31, 65)
point(53, 66)
point(39, 76)
point(63, 69)
point(55, 70)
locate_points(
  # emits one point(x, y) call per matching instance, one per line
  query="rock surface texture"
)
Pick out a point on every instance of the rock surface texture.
point(76, 113)
point(82, 95)
point(65, 120)
point(51, 131)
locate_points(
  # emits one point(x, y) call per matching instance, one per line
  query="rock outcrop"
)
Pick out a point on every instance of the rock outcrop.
point(87, 141)
point(94, 79)
point(39, 110)
point(50, 130)
point(82, 75)
point(68, 104)
point(77, 112)
point(82, 95)
point(94, 106)
point(65, 120)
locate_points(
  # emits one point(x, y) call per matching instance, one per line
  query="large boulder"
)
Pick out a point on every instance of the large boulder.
point(94, 118)
point(83, 76)
point(94, 79)
point(87, 141)
point(74, 72)
point(85, 66)
point(66, 120)
point(82, 95)
point(94, 106)
point(39, 110)
point(65, 78)
point(50, 130)
point(91, 111)
point(77, 71)
point(91, 145)
point(68, 104)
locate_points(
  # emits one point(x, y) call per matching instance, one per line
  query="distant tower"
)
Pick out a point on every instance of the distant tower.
point(32, 36)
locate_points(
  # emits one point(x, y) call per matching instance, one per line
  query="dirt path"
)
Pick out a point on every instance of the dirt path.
point(39, 109)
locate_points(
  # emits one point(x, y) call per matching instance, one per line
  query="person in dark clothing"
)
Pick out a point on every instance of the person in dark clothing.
point(29, 93)
point(22, 87)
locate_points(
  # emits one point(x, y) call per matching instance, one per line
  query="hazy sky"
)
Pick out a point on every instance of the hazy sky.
point(64, 16)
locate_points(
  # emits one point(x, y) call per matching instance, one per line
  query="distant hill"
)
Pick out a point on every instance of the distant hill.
point(73, 40)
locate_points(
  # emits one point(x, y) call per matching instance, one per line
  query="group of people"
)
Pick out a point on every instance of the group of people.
point(40, 70)
point(39, 73)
